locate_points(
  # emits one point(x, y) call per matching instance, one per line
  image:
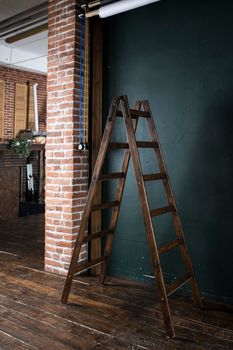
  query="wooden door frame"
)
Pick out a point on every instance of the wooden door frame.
point(96, 125)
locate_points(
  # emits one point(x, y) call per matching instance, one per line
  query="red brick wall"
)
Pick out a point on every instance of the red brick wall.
point(11, 77)
point(66, 168)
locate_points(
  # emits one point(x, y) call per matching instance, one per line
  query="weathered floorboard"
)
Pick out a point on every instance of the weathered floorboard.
point(120, 315)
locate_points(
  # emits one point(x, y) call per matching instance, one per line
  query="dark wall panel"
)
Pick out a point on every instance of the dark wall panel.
point(178, 55)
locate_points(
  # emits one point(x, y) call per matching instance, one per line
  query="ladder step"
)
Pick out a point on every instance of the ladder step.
point(163, 210)
point(87, 265)
point(105, 205)
point(147, 144)
point(106, 177)
point(151, 177)
point(140, 144)
point(118, 145)
point(179, 282)
point(134, 114)
point(96, 235)
point(173, 244)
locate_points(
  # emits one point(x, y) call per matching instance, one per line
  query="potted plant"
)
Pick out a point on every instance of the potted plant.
point(21, 146)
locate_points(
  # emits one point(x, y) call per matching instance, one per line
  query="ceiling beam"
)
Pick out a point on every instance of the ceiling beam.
point(22, 15)
point(24, 23)
point(27, 33)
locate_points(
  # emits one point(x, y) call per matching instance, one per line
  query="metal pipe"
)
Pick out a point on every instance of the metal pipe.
point(93, 4)
point(23, 23)
point(25, 27)
point(35, 86)
point(24, 14)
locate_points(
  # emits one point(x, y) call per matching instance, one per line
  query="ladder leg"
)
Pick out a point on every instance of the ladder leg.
point(90, 197)
point(71, 272)
point(167, 318)
point(187, 260)
point(104, 267)
point(147, 219)
point(115, 214)
point(171, 200)
point(80, 237)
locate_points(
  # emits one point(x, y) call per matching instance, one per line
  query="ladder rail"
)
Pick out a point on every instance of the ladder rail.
point(147, 217)
point(119, 194)
point(171, 200)
point(90, 196)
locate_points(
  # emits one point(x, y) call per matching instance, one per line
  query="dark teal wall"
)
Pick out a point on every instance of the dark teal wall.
point(179, 55)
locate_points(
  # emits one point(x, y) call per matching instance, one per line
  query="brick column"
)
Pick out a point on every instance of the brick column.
point(66, 167)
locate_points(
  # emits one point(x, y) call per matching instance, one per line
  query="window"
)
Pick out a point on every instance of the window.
point(20, 107)
point(24, 109)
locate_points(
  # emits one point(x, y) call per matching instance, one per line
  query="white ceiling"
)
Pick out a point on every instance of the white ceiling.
point(29, 53)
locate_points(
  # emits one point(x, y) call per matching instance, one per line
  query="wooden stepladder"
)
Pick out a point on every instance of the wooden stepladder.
point(130, 117)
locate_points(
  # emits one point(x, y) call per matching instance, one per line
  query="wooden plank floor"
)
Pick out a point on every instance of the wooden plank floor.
point(120, 315)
